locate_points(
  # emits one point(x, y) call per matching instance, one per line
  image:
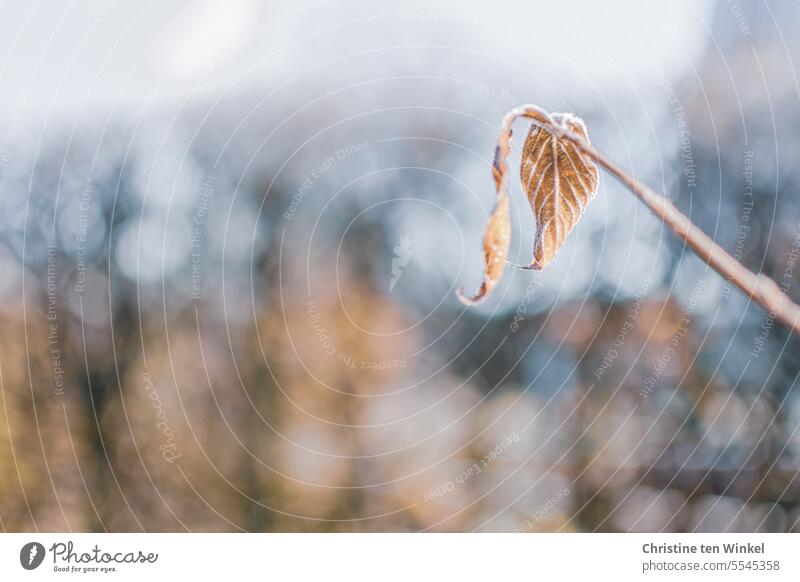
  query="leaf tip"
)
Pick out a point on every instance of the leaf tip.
point(478, 298)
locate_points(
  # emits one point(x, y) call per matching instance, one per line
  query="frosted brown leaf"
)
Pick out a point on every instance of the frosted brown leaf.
point(559, 181)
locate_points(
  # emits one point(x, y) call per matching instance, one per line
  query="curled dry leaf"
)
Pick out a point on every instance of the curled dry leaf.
point(559, 180)
point(496, 241)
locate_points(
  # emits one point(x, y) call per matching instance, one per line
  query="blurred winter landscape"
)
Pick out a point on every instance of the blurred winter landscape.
point(232, 233)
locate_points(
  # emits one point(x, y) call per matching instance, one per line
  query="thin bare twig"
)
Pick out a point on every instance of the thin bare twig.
point(758, 287)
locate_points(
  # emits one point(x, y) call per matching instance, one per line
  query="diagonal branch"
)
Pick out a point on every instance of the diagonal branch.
point(758, 287)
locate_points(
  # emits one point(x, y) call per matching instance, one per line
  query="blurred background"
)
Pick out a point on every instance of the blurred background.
point(231, 233)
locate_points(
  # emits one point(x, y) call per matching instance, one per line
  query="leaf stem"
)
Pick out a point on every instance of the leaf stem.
point(758, 287)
